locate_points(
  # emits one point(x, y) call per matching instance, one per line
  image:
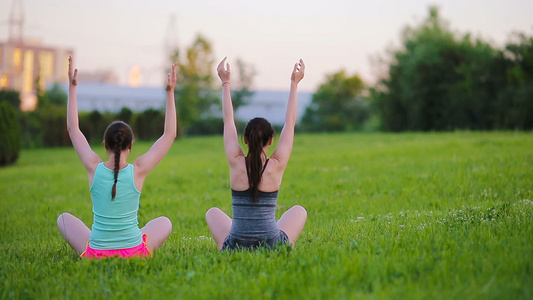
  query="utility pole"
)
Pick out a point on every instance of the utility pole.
point(16, 22)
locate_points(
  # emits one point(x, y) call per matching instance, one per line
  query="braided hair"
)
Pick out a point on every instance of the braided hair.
point(117, 137)
point(258, 133)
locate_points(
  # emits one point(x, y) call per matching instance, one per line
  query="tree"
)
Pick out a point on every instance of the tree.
point(52, 96)
point(337, 105)
point(56, 95)
point(197, 100)
point(241, 91)
point(440, 80)
point(517, 97)
point(194, 91)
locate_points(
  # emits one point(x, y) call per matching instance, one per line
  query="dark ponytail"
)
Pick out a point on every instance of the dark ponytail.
point(258, 133)
point(117, 137)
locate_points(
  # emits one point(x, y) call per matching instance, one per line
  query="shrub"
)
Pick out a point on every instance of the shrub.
point(149, 124)
point(53, 120)
point(10, 141)
point(208, 126)
point(45, 127)
point(93, 124)
point(11, 96)
point(31, 130)
point(125, 115)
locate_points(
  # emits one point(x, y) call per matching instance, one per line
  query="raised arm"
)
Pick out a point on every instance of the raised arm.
point(88, 157)
point(283, 151)
point(231, 139)
point(145, 163)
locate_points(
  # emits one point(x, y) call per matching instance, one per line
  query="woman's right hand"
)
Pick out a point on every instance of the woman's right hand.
point(223, 71)
point(72, 76)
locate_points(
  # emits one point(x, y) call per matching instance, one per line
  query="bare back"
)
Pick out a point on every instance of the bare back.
point(273, 172)
point(270, 180)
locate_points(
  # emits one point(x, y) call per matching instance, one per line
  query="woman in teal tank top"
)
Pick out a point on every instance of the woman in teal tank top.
point(116, 186)
point(255, 179)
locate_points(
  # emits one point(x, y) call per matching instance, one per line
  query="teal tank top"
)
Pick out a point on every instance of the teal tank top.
point(115, 222)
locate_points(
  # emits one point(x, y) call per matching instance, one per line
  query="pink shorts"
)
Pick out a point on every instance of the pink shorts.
point(137, 251)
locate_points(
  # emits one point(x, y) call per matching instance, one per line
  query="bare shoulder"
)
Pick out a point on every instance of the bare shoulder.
point(276, 164)
point(237, 160)
point(237, 165)
point(272, 176)
point(238, 174)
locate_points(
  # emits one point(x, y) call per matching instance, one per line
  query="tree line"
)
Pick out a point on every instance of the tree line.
point(436, 80)
point(197, 102)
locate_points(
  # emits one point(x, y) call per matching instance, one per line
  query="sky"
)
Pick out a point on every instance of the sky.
point(271, 36)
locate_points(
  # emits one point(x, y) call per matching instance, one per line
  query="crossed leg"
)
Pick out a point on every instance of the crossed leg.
point(292, 222)
point(157, 231)
point(77, 234)
point(74, 231)
point(219, 224)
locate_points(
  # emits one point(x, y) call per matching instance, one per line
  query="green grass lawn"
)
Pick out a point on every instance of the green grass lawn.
point(404, 216)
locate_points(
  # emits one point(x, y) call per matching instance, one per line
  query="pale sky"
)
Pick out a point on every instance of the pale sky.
point(270, 35)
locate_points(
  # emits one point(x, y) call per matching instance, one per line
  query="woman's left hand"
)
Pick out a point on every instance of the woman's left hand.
point(72, 76)
point(298, 71)
point(223, 71)
point(171, 82)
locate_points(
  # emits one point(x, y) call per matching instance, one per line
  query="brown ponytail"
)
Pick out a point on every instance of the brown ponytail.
point(117, 137)
point(258, 133)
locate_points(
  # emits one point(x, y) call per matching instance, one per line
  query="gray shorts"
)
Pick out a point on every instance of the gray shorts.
point(232, 243)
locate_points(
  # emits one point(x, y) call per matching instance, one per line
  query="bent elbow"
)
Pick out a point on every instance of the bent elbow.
point(290, 122)
point(70, 127)
point(172, 134)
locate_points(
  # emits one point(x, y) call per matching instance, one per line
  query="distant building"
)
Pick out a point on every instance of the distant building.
point(101, 76)
point(26, 66)
point(271, 105)
point(104, 97)
point(107, 97)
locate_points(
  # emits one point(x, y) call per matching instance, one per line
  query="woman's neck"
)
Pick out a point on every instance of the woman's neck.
point(264, 156)
point(122, 164)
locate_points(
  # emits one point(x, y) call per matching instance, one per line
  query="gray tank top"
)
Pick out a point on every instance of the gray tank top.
point(254, 220)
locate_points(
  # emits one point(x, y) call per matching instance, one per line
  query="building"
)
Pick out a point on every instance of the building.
point(29, 66)
point(112, 98)
point(106, 97)
point(272, 105)
point(99, 76)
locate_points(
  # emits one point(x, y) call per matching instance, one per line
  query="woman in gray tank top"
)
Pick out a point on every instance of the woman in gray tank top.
point(255, 179)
